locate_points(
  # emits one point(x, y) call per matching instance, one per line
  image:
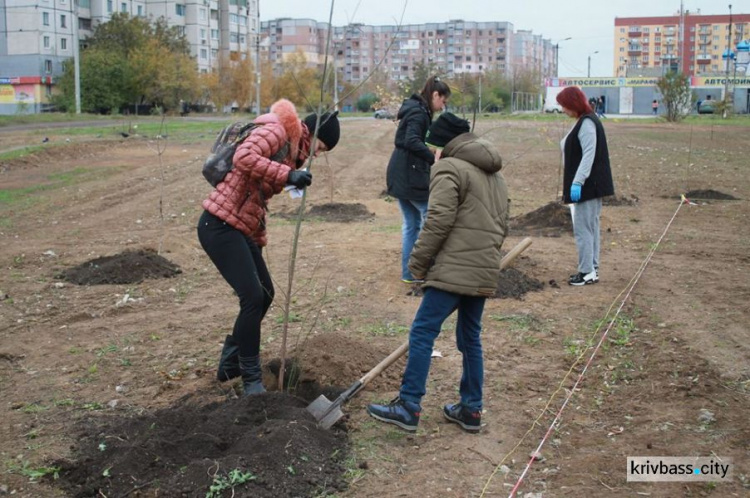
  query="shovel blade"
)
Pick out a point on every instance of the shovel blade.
point(325, 412)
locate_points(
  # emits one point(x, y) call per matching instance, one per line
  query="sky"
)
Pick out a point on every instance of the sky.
point(588, 23)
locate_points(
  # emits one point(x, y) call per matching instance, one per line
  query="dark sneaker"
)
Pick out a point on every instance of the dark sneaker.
point(596, 271)
point(584, 278)
point(459, 414)
point(398, 412)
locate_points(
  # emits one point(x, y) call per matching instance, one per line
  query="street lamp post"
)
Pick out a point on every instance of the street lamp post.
point(729, 59)
point(589, 71)
point(557, 56)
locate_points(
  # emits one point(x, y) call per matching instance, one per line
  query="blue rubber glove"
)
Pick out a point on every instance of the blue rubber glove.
point(575, 192)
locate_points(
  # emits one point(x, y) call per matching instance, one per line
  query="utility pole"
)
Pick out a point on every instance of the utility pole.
point(557, 56)
point(76, 56)
point(726, 72)
point(335, 75)
point(257, 64)
point(681, 39)
point(589, 71)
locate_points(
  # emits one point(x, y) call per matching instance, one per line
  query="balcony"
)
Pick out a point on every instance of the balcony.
point(669, 56)
point(703, 58)
point(635, 32)
point(634, 51)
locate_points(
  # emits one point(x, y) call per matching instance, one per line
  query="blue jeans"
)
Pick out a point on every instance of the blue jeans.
point(413, 214)
point(437, 305)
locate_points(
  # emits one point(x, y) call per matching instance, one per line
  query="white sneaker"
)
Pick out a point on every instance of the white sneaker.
point(583, 278)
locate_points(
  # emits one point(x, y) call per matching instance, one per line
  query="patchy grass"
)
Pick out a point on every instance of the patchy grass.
point(20, 152)
point(18, 197)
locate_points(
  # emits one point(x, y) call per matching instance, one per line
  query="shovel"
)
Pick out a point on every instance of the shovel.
point(328, 413)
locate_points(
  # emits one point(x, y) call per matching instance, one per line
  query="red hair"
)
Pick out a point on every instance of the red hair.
point(574, 99)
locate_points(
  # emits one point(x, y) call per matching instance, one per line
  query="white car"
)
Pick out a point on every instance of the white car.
point(383, 114)
point(552, 107)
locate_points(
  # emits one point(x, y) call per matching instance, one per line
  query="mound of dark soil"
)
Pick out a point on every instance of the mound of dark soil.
point(128, 267)
point(614, 200)
point(329, 363)
point(269, 441)
point(340, 212)
point(513, 283)
point(710, 194)
point(551, 220)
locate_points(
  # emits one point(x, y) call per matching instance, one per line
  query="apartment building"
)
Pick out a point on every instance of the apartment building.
point(38, 37)
point(455, 47)
point(693, 43)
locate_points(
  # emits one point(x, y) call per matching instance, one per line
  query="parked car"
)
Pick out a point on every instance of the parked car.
point(707, 107)
point(383, 114)
point(552, 107)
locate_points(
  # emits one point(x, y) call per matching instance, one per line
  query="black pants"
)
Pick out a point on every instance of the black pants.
point(240, 262)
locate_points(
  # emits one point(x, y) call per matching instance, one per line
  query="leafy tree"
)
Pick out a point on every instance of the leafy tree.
point(232, 81)
point(105, 82)
point(421, 73)
point(676, 95)
point(298, 82)
point(365, 102)
point(130, 60)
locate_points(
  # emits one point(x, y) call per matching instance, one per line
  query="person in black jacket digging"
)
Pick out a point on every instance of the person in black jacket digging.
point(408, 175)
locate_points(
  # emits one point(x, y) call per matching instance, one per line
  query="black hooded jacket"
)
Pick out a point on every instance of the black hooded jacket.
point(408, 175)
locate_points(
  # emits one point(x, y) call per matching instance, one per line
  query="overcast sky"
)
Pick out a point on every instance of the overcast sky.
point(589, 23)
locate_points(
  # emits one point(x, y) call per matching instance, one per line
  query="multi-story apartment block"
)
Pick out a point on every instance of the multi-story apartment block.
point(692, 43)
point(532, 52)
point(38, 37)
point(454, 47)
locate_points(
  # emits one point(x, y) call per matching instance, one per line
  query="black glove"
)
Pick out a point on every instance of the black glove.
point(299, 178)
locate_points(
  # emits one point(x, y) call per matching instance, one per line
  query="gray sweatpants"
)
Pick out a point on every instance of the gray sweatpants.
point(586, 231)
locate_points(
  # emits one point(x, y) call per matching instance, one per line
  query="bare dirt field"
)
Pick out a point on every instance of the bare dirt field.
point(107, 371)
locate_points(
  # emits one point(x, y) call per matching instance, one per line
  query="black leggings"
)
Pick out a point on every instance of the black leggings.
point(240, 262)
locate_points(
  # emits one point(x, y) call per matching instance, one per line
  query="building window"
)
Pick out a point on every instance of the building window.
point(123, 7)
point(64, 43)
point(46, 41)
point(181, 30)
point(109, 6)
point(140, 10)
point(47, 66)
point(179, 9)
point(214, 34)
point(204, 54)
point(45, 18)
point(63, 21)
point(202, 13)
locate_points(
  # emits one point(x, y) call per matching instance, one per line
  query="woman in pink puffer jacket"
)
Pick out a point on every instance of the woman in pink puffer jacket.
point(232, 229)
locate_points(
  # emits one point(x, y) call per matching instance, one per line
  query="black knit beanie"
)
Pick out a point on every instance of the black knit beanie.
point(445, 128)
point(329, 131)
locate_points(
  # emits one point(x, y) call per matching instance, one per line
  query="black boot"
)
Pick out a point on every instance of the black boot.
point(252, 375)
point(229, 362)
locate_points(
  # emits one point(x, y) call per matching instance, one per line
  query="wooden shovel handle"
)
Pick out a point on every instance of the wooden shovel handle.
point(385, 363)
point(513, 254)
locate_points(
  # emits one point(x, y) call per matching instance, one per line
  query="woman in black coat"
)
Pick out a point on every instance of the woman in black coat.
point(408, 175)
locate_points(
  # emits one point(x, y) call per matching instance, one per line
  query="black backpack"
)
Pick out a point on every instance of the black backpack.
point(219, 161)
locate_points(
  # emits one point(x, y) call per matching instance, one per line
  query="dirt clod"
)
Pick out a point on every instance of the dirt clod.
point(128, 267)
